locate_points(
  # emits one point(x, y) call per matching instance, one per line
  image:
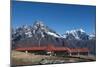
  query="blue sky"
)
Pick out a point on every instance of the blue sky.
point(58, 17)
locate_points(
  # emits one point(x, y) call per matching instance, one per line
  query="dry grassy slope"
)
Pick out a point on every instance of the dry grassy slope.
point(21, 58)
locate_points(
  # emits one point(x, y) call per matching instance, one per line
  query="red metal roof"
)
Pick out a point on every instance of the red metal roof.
point(31, 48)
point(53, 48)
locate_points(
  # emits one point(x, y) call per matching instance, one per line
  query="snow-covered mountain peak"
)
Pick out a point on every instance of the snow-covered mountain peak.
point(81, 30)
point(75, 30)
point(25, 26)
point(39, 23)
point(78, 34)
point(40, 27)
point(92, 36)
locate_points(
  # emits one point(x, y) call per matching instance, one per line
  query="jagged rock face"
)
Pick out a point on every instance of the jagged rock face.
point(34, 34)
point(41, 35)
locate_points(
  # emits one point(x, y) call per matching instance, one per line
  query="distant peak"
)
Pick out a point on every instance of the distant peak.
point(39, 23)
point(75, 30)
point(25, 26)
point(80, 30)
point(72, 31)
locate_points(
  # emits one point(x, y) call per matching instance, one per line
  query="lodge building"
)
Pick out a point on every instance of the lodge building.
point(54, 50)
